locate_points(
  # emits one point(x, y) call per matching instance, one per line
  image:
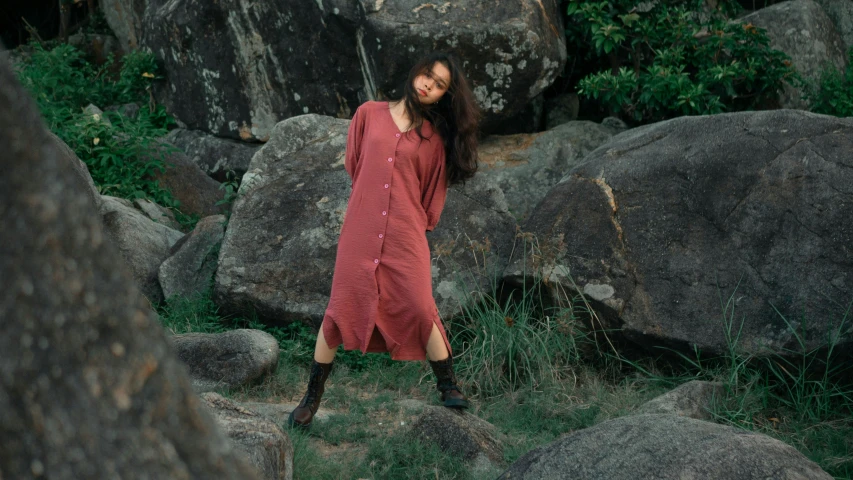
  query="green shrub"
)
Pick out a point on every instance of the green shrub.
point(833, 94)
point(666, 60)
point(122, 153)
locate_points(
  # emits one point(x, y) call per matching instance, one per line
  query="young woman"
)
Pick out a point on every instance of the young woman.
point(401, 156)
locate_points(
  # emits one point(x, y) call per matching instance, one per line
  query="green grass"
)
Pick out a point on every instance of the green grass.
point(197, 314)
point(401, 456)
point(396, 456)
point(801, 396)
point(536, 378)
point(503, 346)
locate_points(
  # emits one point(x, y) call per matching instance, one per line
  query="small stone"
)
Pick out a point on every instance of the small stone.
point(37, 468)
point(599, 292)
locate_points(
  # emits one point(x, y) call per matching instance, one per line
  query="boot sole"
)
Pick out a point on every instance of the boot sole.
point(455, 403)
point(291, 422)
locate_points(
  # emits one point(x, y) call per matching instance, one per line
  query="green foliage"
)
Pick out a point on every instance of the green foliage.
point(804, 397)
point(833, 94)
point(97, 23)
point(667, 60)
point(122, 153)
point(191, 315)
point(230, 186)
point(61, 78)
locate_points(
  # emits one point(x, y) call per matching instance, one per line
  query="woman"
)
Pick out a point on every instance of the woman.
point(401, 156)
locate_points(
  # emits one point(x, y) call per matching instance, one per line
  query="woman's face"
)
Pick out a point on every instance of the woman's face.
point(431, 85)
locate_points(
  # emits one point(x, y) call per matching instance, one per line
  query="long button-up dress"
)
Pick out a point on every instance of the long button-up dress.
point(381, 296)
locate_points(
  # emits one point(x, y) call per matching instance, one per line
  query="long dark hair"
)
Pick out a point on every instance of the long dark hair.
point(455, 116)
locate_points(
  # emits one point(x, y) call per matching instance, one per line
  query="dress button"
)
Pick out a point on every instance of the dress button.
point(384, 212)
point(397, 135)
point(375, 260)
point(386, 185)
point(381, 235)
point(390, 159)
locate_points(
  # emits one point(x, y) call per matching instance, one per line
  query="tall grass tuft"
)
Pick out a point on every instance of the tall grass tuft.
point(195, 314)
point(509, 338)
point(507, 345)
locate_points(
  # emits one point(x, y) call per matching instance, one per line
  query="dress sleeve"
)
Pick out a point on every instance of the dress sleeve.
point(354, 136)
point(435, 188)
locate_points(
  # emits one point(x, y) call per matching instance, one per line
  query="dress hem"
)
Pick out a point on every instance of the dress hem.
point(338, 341)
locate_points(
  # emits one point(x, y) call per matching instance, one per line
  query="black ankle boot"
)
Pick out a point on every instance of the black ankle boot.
point(302, 415)
point(446, 384)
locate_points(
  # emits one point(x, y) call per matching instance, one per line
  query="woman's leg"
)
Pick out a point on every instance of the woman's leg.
point(442, 365)
point(303, 414)
point(322, 352)
point(436, 349)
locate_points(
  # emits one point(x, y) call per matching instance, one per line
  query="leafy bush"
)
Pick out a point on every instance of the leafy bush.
point(122, 153)
point(833, 94)
point(665, 60)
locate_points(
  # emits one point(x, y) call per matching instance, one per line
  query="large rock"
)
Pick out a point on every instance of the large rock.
point(215, 156)
point(683, 230)
point(461, 434)
point(227, 360)
point(278, 255)
point(279, 248)
point(157, 213)
point(525, 167)
point(328, 56)
point(190, 268)
point(125, 20)
point(266, 446)
point(801, 29)
point(197, 193)
point(694, 399)
point(512, 51)
point(470, 246)
point(89, 387)
point(67, 155)
point(841, 14)
point(287, 57)
point(96, 46)
point(143, 243)
point(664, 447)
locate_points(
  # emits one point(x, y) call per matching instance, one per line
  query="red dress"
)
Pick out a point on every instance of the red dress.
point(381, 296)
